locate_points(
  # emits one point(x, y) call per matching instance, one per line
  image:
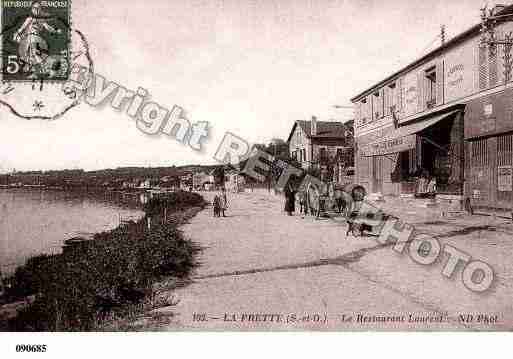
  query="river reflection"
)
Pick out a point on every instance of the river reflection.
point(38, 221)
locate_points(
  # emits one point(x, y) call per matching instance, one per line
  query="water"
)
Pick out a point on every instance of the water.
point(33, 222)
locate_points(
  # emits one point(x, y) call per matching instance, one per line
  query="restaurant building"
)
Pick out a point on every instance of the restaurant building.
point(448, 116)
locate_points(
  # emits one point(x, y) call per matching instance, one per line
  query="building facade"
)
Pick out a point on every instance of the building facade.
point(448, 116)
point(315, 143)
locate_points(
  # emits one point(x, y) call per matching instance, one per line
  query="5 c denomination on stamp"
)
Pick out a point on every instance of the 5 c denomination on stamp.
point(35, 40)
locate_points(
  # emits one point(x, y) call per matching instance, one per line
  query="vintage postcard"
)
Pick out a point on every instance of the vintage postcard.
point(244, 165)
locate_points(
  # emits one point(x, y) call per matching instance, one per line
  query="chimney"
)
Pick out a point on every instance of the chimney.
point(313, 126)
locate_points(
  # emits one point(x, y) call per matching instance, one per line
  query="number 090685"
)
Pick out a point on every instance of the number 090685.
point(31, 348)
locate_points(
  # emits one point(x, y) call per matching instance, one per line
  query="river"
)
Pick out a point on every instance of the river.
point(34, 222)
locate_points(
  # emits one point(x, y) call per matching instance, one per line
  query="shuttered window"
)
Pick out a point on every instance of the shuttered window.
point(440, 83)
point(430, 88)
point(390, 98)
point(377, 105)
point(399, 94)
point(364, 112)
point(483, 68)
point(492, 67)
point(421, 103)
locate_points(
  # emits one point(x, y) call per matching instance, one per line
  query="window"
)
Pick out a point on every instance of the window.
point(390, 98)
point(377, 106)
point(303, 151)
point(363, 112)
point(431, 87)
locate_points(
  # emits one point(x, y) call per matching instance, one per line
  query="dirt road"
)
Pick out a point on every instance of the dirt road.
point(263, 270)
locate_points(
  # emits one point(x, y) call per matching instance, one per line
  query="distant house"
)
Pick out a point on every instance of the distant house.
point(234, 182)
point(200, 179)
point(324, 145)
point(313, 142)
point(186, 181)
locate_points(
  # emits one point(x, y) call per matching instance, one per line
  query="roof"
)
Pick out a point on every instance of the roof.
point(325, 129)
point(451, 43)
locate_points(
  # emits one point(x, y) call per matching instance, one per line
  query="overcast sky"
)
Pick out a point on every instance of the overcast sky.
point(249, 67)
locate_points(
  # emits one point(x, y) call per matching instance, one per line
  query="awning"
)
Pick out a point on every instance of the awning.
point(402, 139)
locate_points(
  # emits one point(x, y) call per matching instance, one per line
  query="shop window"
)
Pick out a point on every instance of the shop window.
point(431, 87)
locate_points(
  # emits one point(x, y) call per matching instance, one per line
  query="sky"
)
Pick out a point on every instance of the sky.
point(248, 67)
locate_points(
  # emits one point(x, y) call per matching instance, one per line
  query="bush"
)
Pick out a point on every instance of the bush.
point(175, 201)
point(117, 268)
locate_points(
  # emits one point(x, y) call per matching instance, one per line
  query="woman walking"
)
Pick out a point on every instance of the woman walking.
point(290, 199)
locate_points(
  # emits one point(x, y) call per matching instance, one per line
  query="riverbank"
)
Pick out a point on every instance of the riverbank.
point(110, 277)
point(35, 221)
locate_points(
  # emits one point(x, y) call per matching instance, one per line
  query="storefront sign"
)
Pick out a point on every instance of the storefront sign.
point(395, 145)
point(505, 178)
point(455, 75)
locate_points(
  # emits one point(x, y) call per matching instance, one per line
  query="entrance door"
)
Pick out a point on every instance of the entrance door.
point(377, 174)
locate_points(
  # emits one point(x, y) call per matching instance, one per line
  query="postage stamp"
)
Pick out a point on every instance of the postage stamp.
point(35, 40)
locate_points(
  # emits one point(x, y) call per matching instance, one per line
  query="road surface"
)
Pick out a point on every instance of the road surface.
point(263, 270)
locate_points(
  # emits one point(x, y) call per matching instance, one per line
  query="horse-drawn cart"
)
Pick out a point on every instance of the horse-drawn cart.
point(347, 200)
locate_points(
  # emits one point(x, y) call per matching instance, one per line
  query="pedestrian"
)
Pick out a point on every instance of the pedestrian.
point(431, 187)
point(223, 201)
point(290, 199)
point(303, 202)
point(217, 206)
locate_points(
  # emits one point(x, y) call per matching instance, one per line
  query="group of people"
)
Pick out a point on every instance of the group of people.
point(220, 203)
point(426, 185)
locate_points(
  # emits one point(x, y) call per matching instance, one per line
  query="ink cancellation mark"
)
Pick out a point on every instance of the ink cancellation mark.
point(36, 39)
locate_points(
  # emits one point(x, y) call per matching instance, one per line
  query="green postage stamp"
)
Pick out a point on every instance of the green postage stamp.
point(35, 40)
